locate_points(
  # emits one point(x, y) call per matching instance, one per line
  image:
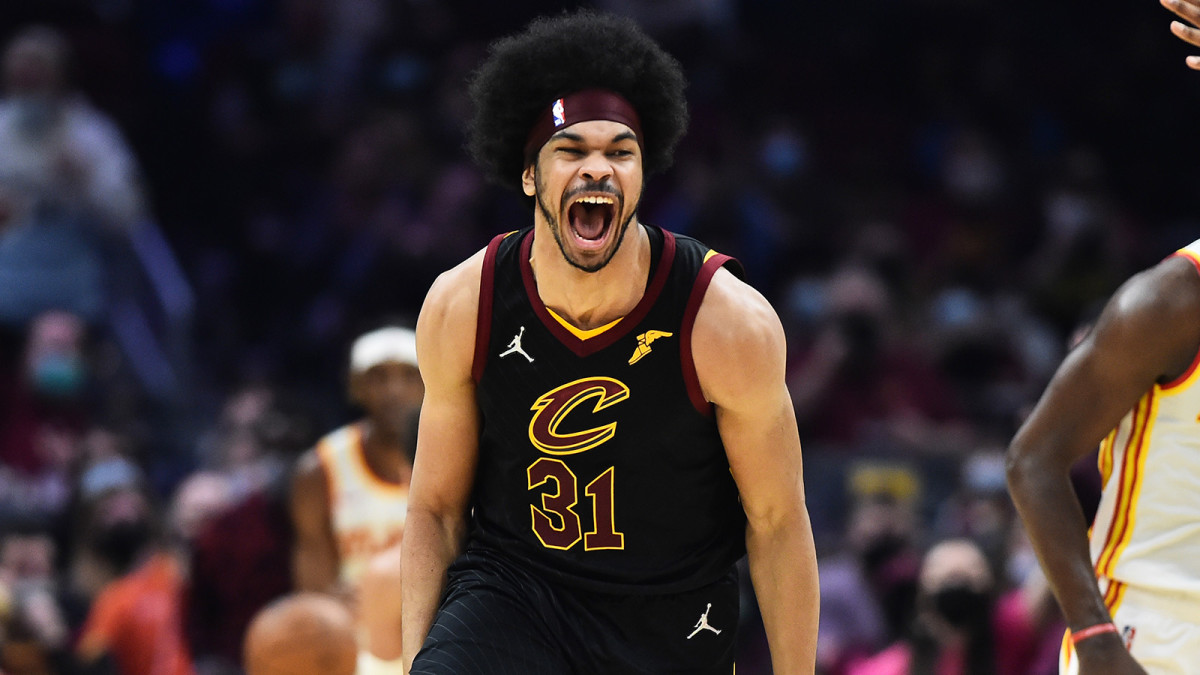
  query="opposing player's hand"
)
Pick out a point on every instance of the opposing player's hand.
point(1106, 655)
point(1189, 11)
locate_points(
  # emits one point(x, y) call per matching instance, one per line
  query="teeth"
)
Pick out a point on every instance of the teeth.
point(597, 200)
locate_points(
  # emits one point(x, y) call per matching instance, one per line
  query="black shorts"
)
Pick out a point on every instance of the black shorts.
point(497, 617)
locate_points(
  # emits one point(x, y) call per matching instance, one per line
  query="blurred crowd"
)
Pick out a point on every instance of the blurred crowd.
point(203, 202)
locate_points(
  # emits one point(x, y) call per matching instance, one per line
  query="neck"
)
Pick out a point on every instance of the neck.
point(385, 452)
point(591, 299)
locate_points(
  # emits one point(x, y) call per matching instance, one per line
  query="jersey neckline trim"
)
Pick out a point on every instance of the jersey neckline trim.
point(579, 332)
point(586, 347)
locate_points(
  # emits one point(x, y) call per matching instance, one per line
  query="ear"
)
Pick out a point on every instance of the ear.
point(529, 180)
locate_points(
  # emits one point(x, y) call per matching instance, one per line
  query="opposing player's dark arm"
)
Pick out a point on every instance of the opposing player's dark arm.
point(315, 558)
point(1146, 334)
point(739, 348)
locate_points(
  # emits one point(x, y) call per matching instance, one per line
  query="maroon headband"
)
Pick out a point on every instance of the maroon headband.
point(581, 106)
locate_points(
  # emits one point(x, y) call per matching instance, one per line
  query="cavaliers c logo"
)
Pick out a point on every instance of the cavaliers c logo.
point(553, 407)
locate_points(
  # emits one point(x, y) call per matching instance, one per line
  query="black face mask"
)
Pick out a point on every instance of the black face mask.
point(961, 606)
point(120, 544)
point(881, 550)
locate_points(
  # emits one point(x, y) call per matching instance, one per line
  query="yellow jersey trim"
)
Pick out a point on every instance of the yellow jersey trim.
point(579, 332)
point(1104, 461)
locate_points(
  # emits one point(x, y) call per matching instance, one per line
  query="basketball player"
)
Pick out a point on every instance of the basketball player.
point(606, 411)
point(350, 493)
point(1131, 386)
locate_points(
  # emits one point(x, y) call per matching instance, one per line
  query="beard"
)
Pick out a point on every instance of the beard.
point(556, 223)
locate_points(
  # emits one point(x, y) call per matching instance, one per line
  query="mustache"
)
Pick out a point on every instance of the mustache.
point(593, 188)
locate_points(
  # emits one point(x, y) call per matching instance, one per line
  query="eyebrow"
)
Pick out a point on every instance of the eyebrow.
point(569, 136)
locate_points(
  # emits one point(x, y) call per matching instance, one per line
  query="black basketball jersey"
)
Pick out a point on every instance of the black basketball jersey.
point(599, 459)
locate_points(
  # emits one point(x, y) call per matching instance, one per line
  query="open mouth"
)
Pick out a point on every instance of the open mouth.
point(592, 216)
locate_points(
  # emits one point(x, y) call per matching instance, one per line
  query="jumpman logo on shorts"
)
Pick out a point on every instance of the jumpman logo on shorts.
point(514, 347)
point(702, 624)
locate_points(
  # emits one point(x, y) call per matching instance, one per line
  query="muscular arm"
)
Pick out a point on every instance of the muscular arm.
point(739, 351)
point(1148, 333)
point(315, 558)
point(447, 447)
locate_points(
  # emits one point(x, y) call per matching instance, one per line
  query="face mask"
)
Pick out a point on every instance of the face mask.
point(120, 543)
point(961, 606)
point(58, 375)
point(881, 550)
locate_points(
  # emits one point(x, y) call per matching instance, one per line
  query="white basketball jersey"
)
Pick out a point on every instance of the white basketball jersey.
point(1147, 527)
point(367, 512)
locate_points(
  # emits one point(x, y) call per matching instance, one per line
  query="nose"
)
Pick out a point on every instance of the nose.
point(595, 167)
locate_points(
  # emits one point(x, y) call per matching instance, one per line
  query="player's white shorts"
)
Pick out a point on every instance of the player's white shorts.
point(1161, 629)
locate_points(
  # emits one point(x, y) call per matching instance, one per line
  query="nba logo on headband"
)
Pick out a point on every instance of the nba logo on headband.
point(586, 105)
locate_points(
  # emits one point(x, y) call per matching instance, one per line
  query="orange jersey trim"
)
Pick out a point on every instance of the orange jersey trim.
point(373, 481)
point(327, 454)
point(358, 460)
point(1192, 374)
point(1190, 255)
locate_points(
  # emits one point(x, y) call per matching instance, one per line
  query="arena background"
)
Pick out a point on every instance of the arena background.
point(940, 193)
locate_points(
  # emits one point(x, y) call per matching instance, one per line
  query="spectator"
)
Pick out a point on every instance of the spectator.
point(862, 382)
point(67, 179)
point(44, 411)
point(135, 622)
point(951, 632)
point(34, 629)
point(241, 559)
point(867, 591)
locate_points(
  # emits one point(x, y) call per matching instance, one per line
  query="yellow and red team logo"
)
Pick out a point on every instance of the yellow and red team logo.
point(553, 407)
point(555, 518)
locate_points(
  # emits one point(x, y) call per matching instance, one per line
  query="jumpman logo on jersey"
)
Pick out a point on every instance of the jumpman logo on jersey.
point(514, 347)
point(702, 624)
point(644, 340)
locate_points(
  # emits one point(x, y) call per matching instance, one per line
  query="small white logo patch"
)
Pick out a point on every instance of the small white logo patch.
point(560, 116)
point(514, 347)
point(702, 624)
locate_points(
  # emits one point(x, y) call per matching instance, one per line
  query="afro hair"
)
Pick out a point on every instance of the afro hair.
point(556, 56)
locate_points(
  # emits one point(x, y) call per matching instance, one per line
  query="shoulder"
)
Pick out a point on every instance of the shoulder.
point(454, 295)
point(308, 475)
point(1166, 295)
point(1153, 319)
point(736, 325)
point(733, 315)
point(1171, 287)
point(446, 325)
